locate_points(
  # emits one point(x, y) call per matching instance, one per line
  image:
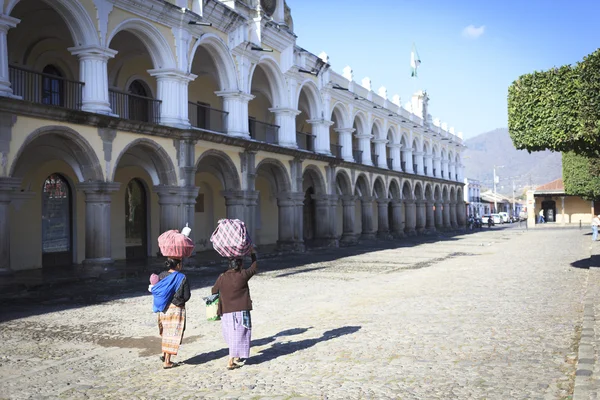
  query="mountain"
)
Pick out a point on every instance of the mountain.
point(524, 169)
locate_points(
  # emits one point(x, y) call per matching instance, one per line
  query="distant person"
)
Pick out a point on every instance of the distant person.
point(595, 224)
point(541, 218)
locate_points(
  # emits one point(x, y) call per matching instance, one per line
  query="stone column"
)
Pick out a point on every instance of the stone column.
point(452, 166)
point(383, 222)
point(364, 144)
point(98, 198)
point(439, 217)
point(325, 208)
point(396, 157)
point(410, 217)
point(236, 105)
point(320, 128)
point(285, 118)
point(437, 165)
point(169, 200)
point(6, 22)
point(453, 219)
point(240, 204)
point(419, 161)
point(562, 208)
point(420, 210)
point(92, 70)
point(286, 204)
point(447, 224)
point(367, 218)
point(7, 187)
point(430, 217)
point(397, 223)
point(461, 214)
point(346, 143)
point(444, 168)
point(172, 91)
point(408, 160)
point(349, 205)
point(188, 203)
point(380, 151)
point(429, 164)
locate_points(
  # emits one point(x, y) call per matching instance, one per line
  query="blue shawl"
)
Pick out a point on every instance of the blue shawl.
point(164, 291)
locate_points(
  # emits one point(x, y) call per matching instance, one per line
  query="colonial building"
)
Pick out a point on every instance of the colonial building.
point(472, 192)
point(120, 119)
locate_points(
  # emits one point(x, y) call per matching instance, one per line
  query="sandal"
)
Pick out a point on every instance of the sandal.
point(162, 358)
point(173, 365)
point(232, 367)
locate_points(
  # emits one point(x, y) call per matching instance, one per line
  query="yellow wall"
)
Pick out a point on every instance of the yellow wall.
point(576, 209)
point(268, 226)
point(259, 108)
point(214, 209)
point(203, 89)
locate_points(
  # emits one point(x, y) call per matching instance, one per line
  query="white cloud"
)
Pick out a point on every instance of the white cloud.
point(473, 32)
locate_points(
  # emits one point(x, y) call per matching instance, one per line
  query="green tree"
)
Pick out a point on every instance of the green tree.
point(559, 110)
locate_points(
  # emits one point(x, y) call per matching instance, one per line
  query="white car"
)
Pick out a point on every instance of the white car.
point(505, 217)
point(497, 218)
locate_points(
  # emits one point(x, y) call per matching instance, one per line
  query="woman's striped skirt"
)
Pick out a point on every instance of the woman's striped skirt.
point(171, 325)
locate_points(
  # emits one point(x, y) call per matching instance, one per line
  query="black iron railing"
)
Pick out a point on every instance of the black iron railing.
point(336, 150)
point(263, 132)
point(47, 89)
point(415, 166)
point(134, 107)
point(403, 166)
point(434, 172)
point(375, 159)
point(357, 154)
point(390, 162)
point(425, 170)
point(305, 141)
point(205, 117)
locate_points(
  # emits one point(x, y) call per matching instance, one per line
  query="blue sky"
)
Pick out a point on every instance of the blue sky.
point(466, 76)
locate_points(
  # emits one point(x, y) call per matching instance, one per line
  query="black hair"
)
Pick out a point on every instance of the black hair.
point(171, 263)
point(235, 263)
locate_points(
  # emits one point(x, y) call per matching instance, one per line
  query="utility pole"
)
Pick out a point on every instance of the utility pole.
point(495, 194)
point(514, 209)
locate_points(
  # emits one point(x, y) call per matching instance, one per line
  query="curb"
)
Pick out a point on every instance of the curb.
point(586, 374)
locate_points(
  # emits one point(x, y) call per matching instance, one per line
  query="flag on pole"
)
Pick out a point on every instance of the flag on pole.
point(415, 61)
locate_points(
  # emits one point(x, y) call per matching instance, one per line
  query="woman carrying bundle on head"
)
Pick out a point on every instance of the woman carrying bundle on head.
point(171, 293)
point(234, 309)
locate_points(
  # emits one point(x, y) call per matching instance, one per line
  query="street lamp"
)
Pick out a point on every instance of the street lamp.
point(495, 194)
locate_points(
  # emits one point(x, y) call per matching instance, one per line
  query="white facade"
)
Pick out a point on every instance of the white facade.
point(472, 193)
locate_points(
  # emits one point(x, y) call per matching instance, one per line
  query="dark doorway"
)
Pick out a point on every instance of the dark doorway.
point(57, 229)
point(391, 217)
point(309, 215)
point(549, 207)
point(139, 107)
point(52, 86)
point(597, 207)
point(135, 221)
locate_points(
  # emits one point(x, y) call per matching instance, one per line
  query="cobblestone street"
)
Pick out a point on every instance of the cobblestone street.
point(494, 314)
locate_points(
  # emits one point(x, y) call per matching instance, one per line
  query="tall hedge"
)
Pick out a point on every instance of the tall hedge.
point(558, 109)
point(581, 175)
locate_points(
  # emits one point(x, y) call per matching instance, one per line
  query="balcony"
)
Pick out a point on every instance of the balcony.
point(403, 166)
point(49, 89)
point(357, 154)
point(390, 162)
point(434, 172)
point(205, 117)
point(425, 170)
point(305, 141)
point(415, 168)
point(336, 150)
point(375, 159)
point(263, 132)
point(134, 107)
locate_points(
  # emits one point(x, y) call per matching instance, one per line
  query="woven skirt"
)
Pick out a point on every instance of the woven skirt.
point(236, 335)
point(171, 325)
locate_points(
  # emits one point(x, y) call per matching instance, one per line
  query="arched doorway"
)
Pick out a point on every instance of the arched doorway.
point(136, 233)
point(138, 106)
point(52, 86)
point(309, 215)
point(57, 227)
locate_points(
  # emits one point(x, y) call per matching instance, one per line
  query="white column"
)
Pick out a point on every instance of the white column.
point(6, 23)
point(172, 91)
point(236, 105)
point(437, 165)
point(346, 143)
point(429, 164)
point(459, 171)
point(396, 157)
point(419, 162)
point(92, 70)
point(408, 160)
point(320, 128)
point(285, 118)
point(380, 151)
point(364, 144)
point(452, 172)
point(445, 169)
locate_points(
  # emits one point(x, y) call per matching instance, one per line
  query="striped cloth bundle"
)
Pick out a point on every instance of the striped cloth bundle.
point(175, 245)
point(230, 239)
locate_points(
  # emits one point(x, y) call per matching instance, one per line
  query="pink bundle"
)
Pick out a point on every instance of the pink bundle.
point(230, 239)
point(175, 245)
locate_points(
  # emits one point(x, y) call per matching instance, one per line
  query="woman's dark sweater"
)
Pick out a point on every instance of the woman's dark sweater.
point(183, 293)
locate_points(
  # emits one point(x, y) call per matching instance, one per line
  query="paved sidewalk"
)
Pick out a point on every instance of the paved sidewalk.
point(496, 314)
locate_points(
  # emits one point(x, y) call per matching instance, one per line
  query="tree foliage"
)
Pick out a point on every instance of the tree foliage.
point(581, 175)
point(558, 109)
